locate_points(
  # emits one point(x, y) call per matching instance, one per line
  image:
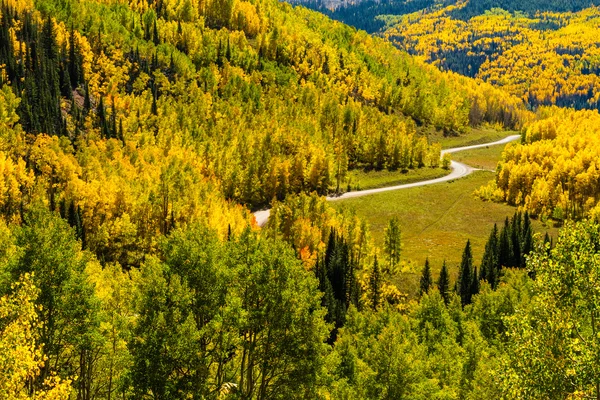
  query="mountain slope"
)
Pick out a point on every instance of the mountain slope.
point(132, 119)
point(547, 59)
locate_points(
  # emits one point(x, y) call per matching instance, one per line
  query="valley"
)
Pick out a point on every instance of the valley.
point(252, 199)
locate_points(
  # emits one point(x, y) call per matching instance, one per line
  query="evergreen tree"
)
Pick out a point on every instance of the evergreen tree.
point(426, 280)
point(155, 37)
point(489, 264)
point(516, 241)
point(154, 105)
point(392, 243)
point(465, 275)
point(87, 103)
point(75, 70)
point(341, 276)
point(375, 285)
point(505, 246)
point(526, 239)
point(443, 283)
point(121, 136)
point(475, 283)
point(113, 120)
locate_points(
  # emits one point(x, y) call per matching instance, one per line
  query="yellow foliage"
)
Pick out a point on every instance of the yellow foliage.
point(20, 355)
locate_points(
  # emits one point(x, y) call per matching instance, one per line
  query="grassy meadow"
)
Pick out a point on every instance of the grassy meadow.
point(437, 220)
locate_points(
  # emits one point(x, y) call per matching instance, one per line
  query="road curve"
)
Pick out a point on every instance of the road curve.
point(458, 170)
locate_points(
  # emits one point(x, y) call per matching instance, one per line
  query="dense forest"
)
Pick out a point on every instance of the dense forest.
point(554, 172)
point(543, 52)
point(545, 58)
point(135, 138)
point(369, 15)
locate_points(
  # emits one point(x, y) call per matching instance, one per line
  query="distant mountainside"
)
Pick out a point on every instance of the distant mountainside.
point(366, 14)
point(549, 58)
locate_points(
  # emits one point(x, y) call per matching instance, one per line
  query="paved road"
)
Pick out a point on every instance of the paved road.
point(458, 170)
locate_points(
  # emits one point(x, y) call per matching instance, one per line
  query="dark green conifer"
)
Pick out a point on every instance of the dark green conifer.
point(74, 61)
point(515, 235)
point(375, 285)
point(154, 104)
point(113, 120)
point(526, 239)
point(426, 280)
point(474, 283)
point(155, 37)
point(121, 136)
point(443, 283)
point(489, 263)
point(505, 246)
point(465, 275)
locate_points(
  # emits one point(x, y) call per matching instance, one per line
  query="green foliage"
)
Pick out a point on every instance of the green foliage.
point(240, 314)
point(553, 344)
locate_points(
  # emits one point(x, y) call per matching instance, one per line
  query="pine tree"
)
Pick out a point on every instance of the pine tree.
point(392, 243)
point(155, 37)
point(515, 238)
point(465, 275)
point(113, 119)
point(426, 280)
point(375, 285)
point(154, 105)
point(526, 239)
point(505, 246)
point(489, 263)
point(443, 283)
point(474, 283)
point(121, 137)
point(228, 50)
point(74, 61)
point(87, 103)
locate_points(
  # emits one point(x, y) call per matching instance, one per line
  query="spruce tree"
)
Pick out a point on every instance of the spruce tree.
point(113, 120)
point(526, 239)
point(489, 262)
point(87, 103)
point(426, 280)
point(515, 235)
point(474, 283)
point(155, 37)
point(392, 242)
point(121, 137)
point(154, 105)
point(74, 61)
point(465, 275)
point(505, 246)
point(375, 285)
point(443, 283)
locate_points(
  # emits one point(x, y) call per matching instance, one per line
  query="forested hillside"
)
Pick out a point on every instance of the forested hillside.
point(554, 172)
point(135, 137)
point(545, 58)
point(370, 15)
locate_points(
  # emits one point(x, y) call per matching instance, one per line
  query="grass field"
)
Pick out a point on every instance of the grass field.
point(436, 222)
point(361, 180)
point(484, 158)
point(475, 136)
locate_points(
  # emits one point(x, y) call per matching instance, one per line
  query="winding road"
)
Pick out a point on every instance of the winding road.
point(458, 170)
